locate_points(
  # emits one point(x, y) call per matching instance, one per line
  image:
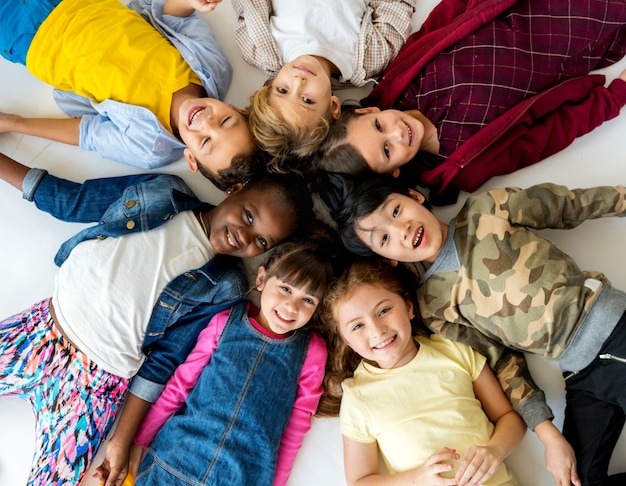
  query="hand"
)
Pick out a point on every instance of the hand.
point(430, 471)
point(114, 468)
point(559, 455)
point(477, 466)
point(205, 5)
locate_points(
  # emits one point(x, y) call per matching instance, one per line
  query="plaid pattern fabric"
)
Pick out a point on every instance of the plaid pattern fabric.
point(529, 48)
point(384, 30)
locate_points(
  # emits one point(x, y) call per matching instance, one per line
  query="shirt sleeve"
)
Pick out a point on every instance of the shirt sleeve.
point(182, 381)
point(307, 399)
point(385, 28)
point(254, 37)
point(510, 368)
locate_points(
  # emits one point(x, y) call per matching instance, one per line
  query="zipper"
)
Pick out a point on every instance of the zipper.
point(610, 356)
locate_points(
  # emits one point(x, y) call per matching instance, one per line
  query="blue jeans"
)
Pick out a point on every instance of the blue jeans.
point(596, 410)
point(19, 22)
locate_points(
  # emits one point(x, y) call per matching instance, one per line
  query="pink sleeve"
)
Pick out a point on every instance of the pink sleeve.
point(182, 381)
point(307, 398)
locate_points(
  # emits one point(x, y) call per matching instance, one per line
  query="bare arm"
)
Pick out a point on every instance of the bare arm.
point(65, 130)
point(361, 466)
point(481, 462)
point(559, 455)
point(12, 171)
point(185, 8)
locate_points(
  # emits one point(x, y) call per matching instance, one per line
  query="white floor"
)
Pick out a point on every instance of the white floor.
point(29, 239)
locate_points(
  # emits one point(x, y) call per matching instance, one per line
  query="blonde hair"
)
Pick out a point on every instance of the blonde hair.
point(287, 144)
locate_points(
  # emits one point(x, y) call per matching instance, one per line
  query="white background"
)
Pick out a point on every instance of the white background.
point(29, 240)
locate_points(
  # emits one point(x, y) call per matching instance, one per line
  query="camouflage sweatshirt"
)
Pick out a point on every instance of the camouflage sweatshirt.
point(497, 284)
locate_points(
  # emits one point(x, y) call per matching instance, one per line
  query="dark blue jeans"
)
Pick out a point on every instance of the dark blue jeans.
point(596, 410)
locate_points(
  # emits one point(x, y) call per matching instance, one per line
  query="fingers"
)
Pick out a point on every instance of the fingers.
point(476, 467)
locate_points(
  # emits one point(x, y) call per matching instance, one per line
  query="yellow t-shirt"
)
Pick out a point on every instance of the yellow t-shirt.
point(417, 409)
point(102, 50)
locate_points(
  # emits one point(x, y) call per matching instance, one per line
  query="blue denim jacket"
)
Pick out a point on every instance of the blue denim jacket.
point(126, 205)
point(132, 134)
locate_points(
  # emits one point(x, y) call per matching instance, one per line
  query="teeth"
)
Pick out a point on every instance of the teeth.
point(418, 237)
point(231, 240)
point(194, 115)
point(283, 317)
point(384, 343)
point(410, 133)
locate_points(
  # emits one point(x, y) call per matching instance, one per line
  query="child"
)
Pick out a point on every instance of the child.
point(490, 274)
point(418, 399)
point(142, 91)
point(113, 315)
point(303, 46)
point(240, 404)
point(485, 88)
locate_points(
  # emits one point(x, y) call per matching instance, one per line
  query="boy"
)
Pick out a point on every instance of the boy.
point(141, 84)
point(131, 295)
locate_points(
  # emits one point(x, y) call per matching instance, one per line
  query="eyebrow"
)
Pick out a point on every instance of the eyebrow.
point(380, 210)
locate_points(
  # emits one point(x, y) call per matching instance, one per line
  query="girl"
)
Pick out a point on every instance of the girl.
point(132, 293)
point(417, 400)
point(491, 277)
point(303, 46)
point(485, 88)
point(142, 84)
point(239, 406)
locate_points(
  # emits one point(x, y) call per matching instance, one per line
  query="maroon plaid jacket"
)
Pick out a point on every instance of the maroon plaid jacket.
point(505, 82)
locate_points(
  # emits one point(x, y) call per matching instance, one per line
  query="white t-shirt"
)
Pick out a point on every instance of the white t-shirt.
point(106, 289)
point(326, 28)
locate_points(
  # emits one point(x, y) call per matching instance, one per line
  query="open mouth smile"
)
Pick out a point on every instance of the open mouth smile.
point(418, 236)
point(410, 133)
point(194, 114)
point(385, 343)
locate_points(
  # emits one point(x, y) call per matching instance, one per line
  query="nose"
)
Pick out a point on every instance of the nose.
point(377, 330)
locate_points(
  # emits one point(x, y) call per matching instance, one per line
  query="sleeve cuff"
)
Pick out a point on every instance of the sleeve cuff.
point(535, 410)
point(31, 182)
point(145, 389)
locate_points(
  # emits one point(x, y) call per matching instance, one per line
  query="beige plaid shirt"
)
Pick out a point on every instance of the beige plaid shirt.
point(384, 30)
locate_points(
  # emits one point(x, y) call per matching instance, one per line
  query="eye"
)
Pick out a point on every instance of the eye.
point(308, 101)
point(204, 142)
point(384, 311)
point(384, 239)
point(285, 289)
point(394, 213)
point(386, 150)
point(356, 327)
point(377, 125)
point(281, 90)
point(263, 242)
point(224, 121)
point(249, 217)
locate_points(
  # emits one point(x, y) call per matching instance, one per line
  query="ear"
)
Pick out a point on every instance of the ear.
point(335, 106)
point(418, 196)
point(239, 110)
point(260, 278)
point(191, 160)
point(367, 109)
point(234, 188)
point(409, 309)
point(396, 173)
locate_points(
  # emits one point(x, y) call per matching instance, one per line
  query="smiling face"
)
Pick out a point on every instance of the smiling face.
point(249, 222)
point(302, 91)
point(402, 229)
point(214, 133)
point(376, 324)
point(284, 307)
point(386, 139)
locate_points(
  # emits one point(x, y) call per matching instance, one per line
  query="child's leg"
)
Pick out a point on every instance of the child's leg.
point(74, 402)
point(19, 22)
point(596, 410)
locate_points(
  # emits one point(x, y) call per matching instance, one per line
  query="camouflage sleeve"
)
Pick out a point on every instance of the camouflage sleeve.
point(554, 206)
point(510, 368)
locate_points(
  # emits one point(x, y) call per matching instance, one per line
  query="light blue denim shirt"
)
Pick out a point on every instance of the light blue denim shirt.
point(129, 204)
point(132, 134)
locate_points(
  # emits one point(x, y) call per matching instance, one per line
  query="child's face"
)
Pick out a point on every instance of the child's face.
point(402, 229)
point(249, 222)
point(284, 307)
point(302, 88)
point(214, 133)
point(376, 324)
point(386, 139)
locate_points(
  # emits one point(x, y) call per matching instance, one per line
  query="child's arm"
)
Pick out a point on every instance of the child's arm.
point(308, 395)
point(385, 28)
point(362, 469)
point(12, 171)
point(64, 130)
point(481, 462)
